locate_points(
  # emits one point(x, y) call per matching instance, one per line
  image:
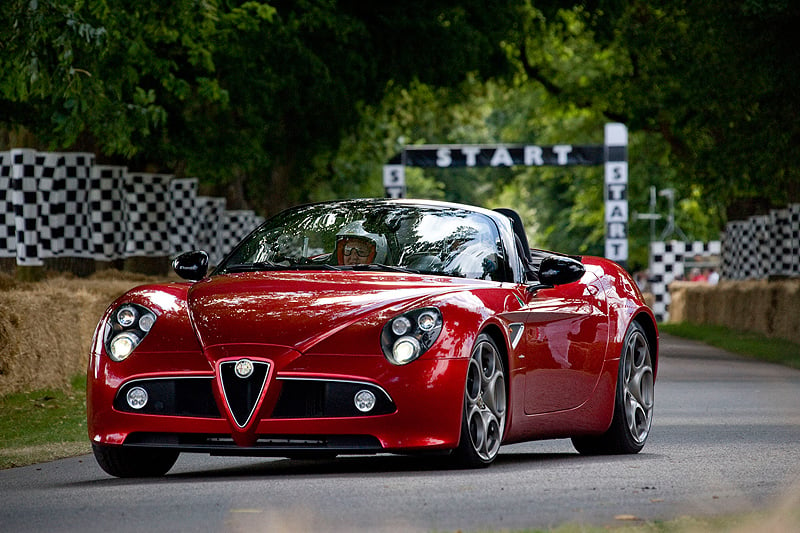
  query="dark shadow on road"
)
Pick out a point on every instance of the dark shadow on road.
point(388, 466)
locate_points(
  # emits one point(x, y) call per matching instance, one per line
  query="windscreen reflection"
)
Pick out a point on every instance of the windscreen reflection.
point(420, 239)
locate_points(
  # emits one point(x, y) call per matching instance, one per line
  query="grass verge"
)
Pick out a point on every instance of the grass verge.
point(744, 343)
point(43, 425)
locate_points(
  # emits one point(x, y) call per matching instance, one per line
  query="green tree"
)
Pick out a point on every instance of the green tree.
point(716, 80)
point(245, 95)
point(103, 75)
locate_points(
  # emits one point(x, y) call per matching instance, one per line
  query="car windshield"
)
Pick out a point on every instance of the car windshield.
point(438, 240)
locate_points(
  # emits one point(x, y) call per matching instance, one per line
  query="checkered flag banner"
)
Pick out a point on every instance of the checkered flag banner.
point(63, 205)
point(734, 237)
point(763, 246)
point(210, 211)
point(667, 262)
point(236, 225)
point(107, 212)
point(794, 251)
point(38, 218)
point(49, 197)
point(77, 171)
point(760, 243)
point(781, 244)
point(147, 215)
point(183, 227)
point(8, 228)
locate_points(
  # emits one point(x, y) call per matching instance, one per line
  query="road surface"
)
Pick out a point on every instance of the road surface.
point(725, 439)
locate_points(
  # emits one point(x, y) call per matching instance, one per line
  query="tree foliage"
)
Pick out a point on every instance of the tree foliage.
point(278, 102)
point(716, 80)
point(105, 75)
point(244, 94)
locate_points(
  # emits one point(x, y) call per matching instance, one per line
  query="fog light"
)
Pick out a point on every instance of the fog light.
point(365, 401)
point(137, 397)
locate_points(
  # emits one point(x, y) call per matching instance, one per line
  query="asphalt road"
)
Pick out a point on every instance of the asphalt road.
point(725, 439)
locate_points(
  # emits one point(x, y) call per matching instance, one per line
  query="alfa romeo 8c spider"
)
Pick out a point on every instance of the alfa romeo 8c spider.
point(373, 326)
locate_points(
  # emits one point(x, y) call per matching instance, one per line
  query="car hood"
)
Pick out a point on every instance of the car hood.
point(300, 309)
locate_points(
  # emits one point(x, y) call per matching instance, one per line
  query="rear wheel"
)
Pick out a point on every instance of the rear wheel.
point(633, 405)
point(484, 415)
point(134, 462)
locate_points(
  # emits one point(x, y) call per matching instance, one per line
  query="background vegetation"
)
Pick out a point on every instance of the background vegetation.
point(280, 102)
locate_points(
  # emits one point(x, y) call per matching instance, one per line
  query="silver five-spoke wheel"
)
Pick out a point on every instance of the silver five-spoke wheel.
point(484, 417)
point(637, 386)
point(633, 403)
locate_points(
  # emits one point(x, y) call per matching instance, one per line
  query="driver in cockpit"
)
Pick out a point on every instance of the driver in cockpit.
point(356, 246)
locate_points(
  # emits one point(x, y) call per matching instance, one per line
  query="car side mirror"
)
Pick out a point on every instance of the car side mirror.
point(557, 270)
point(191, 265)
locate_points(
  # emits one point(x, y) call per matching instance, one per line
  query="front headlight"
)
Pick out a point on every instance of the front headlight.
point(406, 337)
point(126, 328)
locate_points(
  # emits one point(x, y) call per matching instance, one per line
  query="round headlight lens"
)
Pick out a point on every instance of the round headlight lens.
point(137, 397)
point(122, 345)
point(126, 316)
point(146, 322)
point(401, 325)
point(405, 350)
point(426, 321)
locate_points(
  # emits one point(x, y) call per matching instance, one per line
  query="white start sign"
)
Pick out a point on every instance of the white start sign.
point(613, 154)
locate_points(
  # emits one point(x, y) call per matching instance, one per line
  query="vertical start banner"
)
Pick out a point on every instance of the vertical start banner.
point(616, 192)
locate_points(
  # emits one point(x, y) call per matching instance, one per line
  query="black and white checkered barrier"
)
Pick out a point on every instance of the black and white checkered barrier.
point(63, 205)
point(763, 246)
point(668, 261)
point(77, 169)
point(183, 210)
point(147, 207)
point(235, 226)
point(8, 225)
point(210, 238)
point(44, 200)
point(107, 206)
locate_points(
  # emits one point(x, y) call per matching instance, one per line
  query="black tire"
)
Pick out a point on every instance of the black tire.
point(134, 462)
point(633, 403)
point(483, 417)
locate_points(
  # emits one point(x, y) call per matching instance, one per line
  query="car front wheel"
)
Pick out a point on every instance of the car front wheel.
point(134, 462)
point(484, 415)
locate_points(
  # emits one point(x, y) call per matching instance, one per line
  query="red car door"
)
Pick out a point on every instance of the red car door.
point(564, 344)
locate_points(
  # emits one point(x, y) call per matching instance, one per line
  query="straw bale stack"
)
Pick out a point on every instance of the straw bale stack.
point(46, 327)
point(768, 307)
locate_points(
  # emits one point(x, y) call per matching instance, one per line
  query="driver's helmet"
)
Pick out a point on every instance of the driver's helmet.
point(355, 230)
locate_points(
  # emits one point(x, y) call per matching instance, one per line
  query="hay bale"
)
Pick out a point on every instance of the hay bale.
point(768, 307)
point(677, 306)
point(786, 311)
point(46, 328)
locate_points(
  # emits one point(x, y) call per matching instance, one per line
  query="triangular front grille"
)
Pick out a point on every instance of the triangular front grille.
point(242, 394)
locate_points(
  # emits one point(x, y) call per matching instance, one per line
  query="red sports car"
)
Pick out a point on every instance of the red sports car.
point(372, 326)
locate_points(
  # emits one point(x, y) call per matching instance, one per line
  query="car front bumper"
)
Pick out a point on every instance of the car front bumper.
point(306, 404)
